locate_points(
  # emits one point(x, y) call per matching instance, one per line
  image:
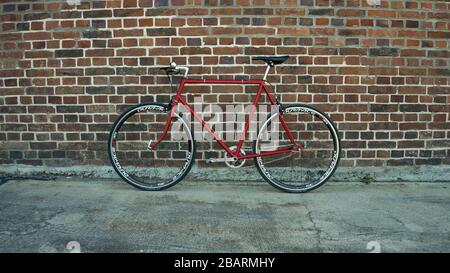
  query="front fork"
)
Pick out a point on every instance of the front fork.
point(170, 107)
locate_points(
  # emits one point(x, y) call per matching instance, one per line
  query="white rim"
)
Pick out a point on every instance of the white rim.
point(174, 178)
point(335, 155)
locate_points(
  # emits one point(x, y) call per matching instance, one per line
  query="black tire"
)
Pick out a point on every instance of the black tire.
point(335, 160)
point(132, 181)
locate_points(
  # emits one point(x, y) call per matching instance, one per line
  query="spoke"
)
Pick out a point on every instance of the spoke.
point(278, 159)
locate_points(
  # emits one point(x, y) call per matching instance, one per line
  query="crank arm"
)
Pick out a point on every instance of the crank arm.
point(150, 145)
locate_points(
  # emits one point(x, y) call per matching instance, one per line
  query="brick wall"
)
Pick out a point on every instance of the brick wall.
point(382, 72)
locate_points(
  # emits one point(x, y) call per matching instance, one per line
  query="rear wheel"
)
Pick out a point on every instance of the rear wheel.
point(311, 166)
point(145, 168)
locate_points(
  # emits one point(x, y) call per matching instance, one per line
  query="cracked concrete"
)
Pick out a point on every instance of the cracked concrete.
point(318, 231)
point(111, 216)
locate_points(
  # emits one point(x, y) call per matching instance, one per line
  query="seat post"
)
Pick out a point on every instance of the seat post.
point(267, 71)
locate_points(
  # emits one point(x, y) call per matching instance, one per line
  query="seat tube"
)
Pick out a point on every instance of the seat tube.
point(249, 117)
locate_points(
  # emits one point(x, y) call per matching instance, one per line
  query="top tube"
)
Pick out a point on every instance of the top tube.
point(224, 81)
point(185, 71)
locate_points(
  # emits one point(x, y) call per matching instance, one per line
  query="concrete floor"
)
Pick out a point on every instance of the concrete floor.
point(111, 216)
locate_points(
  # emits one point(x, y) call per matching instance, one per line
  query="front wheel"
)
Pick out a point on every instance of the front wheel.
point(309, 167)
point(131, 153)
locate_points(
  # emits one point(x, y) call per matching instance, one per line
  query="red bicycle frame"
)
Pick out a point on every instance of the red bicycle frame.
point(236, 154)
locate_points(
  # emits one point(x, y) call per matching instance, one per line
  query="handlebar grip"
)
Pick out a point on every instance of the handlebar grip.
point(170, 69)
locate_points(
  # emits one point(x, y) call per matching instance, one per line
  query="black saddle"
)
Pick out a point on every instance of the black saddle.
point(272, 60)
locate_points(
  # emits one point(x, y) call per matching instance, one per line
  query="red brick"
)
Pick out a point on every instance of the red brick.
point(380, 73)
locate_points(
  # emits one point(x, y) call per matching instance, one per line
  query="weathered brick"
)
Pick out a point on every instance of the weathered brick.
point(321, 12)
point(97, 13)
point(37, 36)
point(36, 16)
point(97, 34)
point(384, 51)
point(146, 61)
point(23, 26)
point(131, 52)
point(160, 12)
point(100, 71)
point(258, 11)
point(413, 108)
point(43, 145)
point(12, 109)
point(68, 53)
point(128, 71)
point(259, 51)
point(128, 12)
point(195, 51)
point(70, 109)
point(100, 89)
point(69, 14)
point(226, 31)
point(160, 3)
point(439, 35)
point(161, 31)
point(99, 53)
point(351, 13)
point(9, 8)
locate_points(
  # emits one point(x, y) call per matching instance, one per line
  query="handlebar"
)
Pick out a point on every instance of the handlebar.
point(176, 69)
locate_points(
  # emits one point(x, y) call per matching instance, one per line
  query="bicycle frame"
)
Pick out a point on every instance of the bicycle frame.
point(236, 154)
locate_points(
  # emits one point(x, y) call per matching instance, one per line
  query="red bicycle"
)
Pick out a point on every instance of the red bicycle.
point(297, 148)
